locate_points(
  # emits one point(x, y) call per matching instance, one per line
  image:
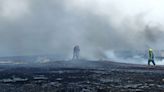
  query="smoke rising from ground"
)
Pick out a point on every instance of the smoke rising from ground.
point(30, 27)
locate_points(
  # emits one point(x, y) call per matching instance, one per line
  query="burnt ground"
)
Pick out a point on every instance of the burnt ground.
point(81, 76)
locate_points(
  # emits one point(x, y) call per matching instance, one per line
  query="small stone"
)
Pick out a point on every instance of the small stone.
point(162, 80)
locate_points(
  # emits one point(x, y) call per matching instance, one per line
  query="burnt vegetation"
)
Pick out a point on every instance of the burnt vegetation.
point(105, 77)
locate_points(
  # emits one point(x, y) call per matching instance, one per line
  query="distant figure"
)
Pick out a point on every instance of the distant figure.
point(151, 57)
point(76, 52)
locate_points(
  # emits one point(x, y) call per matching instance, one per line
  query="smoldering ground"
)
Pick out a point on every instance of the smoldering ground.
point(30, 27)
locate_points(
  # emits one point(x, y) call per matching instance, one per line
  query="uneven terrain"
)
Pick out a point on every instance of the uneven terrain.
point(81, 76)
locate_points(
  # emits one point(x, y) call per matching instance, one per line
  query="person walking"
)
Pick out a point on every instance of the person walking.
point(151, 57)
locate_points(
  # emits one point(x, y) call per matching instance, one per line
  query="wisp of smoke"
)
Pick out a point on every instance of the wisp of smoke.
point(98, 27)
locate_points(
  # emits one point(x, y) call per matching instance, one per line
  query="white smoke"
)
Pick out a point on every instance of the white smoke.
point(99, 26)
point(13, 9)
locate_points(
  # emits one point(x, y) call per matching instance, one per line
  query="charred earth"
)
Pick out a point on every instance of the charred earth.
point(81, 76)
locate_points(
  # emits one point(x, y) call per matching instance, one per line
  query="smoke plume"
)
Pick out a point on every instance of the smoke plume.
point(30, 27)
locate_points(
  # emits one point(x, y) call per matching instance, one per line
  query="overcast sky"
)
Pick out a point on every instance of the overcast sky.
point(31, 27)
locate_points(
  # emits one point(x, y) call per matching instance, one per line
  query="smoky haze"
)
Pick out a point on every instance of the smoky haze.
point(30, 27)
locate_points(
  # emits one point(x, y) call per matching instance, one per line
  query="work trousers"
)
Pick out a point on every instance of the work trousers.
point(151, 61)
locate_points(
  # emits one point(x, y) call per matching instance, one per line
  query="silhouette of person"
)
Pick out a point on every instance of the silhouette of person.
point(76, 52)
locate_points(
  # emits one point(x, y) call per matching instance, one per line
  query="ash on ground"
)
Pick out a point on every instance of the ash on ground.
point(82, 76)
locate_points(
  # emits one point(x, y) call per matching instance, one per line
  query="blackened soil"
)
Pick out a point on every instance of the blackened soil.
point(85, 76)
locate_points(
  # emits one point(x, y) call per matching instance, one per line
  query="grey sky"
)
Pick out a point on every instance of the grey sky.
point(29, 27)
